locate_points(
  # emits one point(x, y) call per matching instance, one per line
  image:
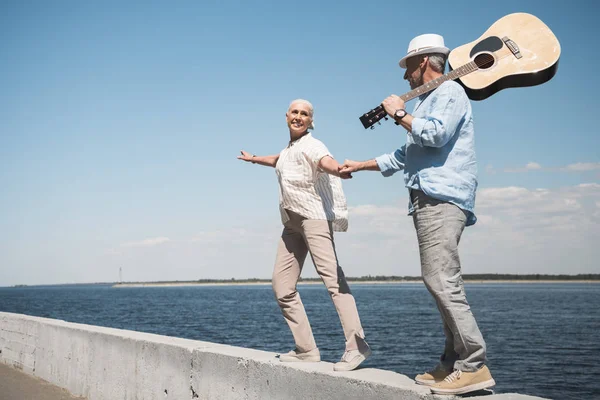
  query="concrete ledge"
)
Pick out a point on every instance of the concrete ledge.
point(104, 363)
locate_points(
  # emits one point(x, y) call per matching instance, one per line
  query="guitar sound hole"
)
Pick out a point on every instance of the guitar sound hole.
point(484, 60)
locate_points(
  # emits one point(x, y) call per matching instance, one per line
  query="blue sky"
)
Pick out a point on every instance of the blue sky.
point(120, 124)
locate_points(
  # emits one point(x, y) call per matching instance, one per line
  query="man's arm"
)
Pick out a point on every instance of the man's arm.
point(267, 161)
point(355, 166)
point(437, 128)
point(388, 164)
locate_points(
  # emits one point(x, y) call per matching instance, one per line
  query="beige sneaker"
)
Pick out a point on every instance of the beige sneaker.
point(438, 374)
point(309, 356)
point(352, 359)
point(460, 382)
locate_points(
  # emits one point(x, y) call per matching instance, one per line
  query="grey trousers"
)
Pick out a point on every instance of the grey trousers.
point(439, 226)
point(299, 236)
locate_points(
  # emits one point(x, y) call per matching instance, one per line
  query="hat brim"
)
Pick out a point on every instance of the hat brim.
point(429, 50)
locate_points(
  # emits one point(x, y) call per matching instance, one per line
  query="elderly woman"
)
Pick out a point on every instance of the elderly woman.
point(312, 207)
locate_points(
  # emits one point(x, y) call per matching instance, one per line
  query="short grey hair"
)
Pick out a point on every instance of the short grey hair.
point(310, 106)
point(437, 62)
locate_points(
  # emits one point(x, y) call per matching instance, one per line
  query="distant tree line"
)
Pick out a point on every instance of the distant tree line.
point(376, 278)
point(397, 278)
point(485, 277)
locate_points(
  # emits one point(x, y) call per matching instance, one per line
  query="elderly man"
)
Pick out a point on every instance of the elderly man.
point(440, 172)
point(312, 206)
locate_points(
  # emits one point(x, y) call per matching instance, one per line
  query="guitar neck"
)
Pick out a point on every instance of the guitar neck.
point(378, 113)
point(431, 85)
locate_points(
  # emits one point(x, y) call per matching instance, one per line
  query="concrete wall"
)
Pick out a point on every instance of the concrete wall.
point(104, 363)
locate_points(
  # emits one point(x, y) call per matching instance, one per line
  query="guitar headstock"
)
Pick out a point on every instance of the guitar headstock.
point(369, 119)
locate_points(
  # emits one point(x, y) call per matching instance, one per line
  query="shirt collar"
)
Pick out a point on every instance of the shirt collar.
point(291, 143)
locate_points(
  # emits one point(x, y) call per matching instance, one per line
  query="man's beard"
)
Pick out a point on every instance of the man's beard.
point(416, 82)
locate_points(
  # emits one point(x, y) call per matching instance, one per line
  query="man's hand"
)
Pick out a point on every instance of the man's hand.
point(246, 156)
point(393, 103)
point(349, 166)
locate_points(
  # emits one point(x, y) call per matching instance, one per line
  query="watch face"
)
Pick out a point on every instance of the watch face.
point(400, 113)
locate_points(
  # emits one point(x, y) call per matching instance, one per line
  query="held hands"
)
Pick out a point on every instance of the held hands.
point(343, 170)
point(344, 175)
point(392, 103)
point(347, 168)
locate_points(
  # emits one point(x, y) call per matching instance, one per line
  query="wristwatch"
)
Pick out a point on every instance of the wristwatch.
point(400, 113)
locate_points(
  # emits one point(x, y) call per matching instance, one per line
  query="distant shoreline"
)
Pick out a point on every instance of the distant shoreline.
point(387, 282)
point(357, 280)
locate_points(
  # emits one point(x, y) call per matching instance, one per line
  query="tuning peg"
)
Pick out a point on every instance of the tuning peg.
point(386, 118)
point(372, 127)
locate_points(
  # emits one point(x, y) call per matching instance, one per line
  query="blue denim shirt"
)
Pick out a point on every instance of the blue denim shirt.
point(439, 155)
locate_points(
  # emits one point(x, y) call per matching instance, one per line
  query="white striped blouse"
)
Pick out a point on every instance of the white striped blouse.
point(306, 189)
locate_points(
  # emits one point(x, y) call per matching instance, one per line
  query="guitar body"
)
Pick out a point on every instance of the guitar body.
point(517, 50)
point(525, 53)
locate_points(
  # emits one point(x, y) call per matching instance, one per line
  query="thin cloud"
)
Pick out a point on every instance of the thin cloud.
point(223, 235)
point(530, 166)
point(147, 242)
point(579, 167)
point(490, 169)
point(371, 210)
point(533, 166)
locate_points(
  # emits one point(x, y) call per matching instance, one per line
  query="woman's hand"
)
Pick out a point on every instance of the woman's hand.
point(267, 161)
point(246, 156)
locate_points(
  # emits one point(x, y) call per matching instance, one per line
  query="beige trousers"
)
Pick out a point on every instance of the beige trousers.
point(300, 236)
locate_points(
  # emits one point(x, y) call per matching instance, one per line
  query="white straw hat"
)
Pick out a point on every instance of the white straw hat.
point(425, 44)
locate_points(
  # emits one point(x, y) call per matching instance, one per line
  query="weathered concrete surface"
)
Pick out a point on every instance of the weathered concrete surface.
point(18, 385)
point(107, 364)
point(505, 396)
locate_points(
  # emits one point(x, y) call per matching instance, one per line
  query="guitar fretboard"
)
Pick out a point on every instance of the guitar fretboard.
point(450, 76)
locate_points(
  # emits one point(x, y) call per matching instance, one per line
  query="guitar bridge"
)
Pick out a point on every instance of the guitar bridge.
point(512, 46)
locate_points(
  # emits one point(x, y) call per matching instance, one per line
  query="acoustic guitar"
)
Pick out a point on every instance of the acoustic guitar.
point(518, 50)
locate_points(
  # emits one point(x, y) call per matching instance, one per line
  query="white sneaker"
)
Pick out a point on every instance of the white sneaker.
point(352, 359)
point(293, 356)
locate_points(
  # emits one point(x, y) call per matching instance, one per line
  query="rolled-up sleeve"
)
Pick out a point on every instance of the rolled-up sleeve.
point(438, 127)
point(391, 163)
